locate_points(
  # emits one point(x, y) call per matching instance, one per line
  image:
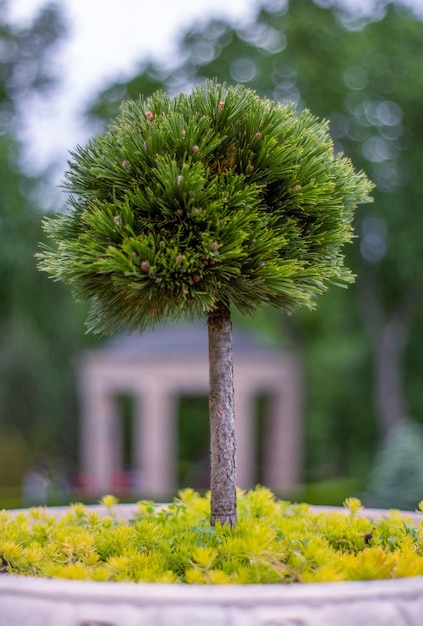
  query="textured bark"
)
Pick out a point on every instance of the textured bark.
point(222, 418)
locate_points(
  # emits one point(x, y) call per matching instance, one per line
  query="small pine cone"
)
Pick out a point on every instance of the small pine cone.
point(145, 266)
point(221, 105)
point(195, 149)
point(149, 116)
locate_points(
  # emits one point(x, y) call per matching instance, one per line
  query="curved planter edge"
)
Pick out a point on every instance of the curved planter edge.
point(36, 602)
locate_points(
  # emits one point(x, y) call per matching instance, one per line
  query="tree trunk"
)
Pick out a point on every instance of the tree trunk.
point(390, 399)
point(387, 332)
point(222, 417)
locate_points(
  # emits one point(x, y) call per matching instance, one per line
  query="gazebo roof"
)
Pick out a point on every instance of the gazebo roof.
point(180, 340)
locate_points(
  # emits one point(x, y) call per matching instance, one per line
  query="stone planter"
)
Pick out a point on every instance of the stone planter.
point(43, 602)
point(40, 602)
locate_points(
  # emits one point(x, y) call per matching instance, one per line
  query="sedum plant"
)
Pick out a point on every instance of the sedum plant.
point(273, 542)
point(189, 205)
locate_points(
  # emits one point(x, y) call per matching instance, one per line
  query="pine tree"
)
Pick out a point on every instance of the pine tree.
point(186, 206)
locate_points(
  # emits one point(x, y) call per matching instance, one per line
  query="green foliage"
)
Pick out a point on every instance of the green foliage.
point(397, 476)
point(274, 542)
point(40, 328)
point(26, 50)
point(331, 491)
point(216, 195)
point(361, 73)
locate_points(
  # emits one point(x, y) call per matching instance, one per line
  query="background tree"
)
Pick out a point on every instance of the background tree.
point(189, 205)
point(397, 477)
point(363, 73)
point(39, 325)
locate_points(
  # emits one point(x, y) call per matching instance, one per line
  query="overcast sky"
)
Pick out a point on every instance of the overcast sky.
point(106, 41)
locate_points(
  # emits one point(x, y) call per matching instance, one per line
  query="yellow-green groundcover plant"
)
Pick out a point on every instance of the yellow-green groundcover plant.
point(273, 542)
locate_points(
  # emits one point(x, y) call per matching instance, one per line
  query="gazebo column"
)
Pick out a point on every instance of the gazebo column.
point(156, 442)
point(99, 436)
point(245, 435)
point(282, 444)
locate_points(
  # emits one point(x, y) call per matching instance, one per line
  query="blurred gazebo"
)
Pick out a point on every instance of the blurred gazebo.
point(156, 369)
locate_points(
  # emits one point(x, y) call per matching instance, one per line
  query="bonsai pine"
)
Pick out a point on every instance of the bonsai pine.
point(188, 205)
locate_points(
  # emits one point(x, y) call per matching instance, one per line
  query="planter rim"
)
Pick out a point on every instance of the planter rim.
point(242, 595)
point(126, 511)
